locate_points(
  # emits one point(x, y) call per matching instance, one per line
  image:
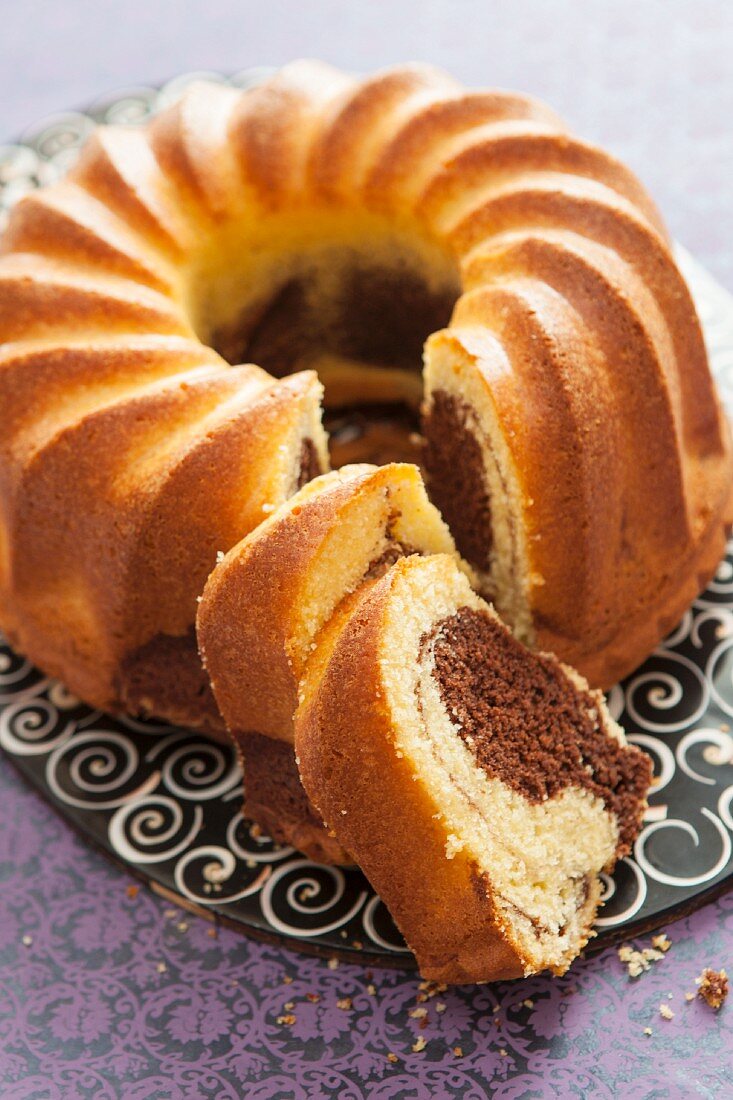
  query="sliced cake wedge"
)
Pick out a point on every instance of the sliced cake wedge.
point(481, 787)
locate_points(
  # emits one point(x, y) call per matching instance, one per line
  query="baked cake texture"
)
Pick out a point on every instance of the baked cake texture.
point(266, 602)
point(481, 787)
point(320, 222)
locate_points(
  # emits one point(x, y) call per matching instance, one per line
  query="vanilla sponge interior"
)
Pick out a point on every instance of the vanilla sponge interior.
point(389, 515)
point(461, 369)
point(541, 859)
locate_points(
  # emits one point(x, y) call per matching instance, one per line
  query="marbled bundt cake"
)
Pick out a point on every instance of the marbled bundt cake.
point(480, 787)
point(574, 438)
point(266, 602)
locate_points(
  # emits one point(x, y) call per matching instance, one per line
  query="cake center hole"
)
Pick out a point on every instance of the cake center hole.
point(361, 325)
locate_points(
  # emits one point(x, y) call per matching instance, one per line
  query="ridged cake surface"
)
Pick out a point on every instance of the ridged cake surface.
point(321, 219)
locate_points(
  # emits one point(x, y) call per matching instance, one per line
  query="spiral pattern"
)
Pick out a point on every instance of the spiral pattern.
point(153, 829)
point(196, 770)
point(308, 899)
point(18, 676)
point(33, 727)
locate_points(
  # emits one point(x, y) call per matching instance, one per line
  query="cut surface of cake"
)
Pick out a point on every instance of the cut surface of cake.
point(482, 788)
point(266, 602)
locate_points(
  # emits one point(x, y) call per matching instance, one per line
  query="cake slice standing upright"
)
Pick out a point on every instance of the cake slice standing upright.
point(482, 788)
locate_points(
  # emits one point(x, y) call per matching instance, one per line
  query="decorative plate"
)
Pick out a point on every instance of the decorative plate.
point(166, 802)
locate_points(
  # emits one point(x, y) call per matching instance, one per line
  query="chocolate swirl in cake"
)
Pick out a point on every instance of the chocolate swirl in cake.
point(527, 725)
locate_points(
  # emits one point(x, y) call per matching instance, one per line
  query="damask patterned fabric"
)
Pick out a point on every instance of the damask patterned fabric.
point(107, 991)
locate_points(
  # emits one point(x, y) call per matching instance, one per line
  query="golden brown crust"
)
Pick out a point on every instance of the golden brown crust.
point(364, 791)
point(250, 620)
point(115, 256)
point(86, 608)
point(192, 135)
point(248, 611)
point(251, 610)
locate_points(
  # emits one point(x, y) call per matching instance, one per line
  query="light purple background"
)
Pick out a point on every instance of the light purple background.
point(650, 79)
point(84, 1011)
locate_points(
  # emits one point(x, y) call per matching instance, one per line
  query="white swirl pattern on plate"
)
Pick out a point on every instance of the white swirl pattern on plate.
point(307, 899)
point(167, 802)
point(637, 899)
point(153, 829)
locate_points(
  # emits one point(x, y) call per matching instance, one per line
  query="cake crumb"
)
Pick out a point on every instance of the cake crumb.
point(528, 1002)
point(314, 998)
point(333, 963)
point(648, 1031)
point(287, 980)
point(504, 1052)
point(418, 1013)
point(392, 1057)
point(441, 1006)
point(344, 1003)
point(170, 913)
point(372, 990)
point(286, 1021)
point(458, 1052)
point(161, 968)
point(637, 962)
point(212, 933)
point(289, 1006)
point(419, 1044)
point(27, 941)
point(132, 891)
point(689, 997)
point(429, 989)
point(662, 942)
point(666, 1012)
point(182, 926)
point(712, 987)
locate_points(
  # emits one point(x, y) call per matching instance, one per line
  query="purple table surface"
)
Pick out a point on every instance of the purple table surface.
point(103, 994)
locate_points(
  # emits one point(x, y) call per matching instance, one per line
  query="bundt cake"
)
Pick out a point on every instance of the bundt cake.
point(320, 222)
point(481, 787)
point(268, 599)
